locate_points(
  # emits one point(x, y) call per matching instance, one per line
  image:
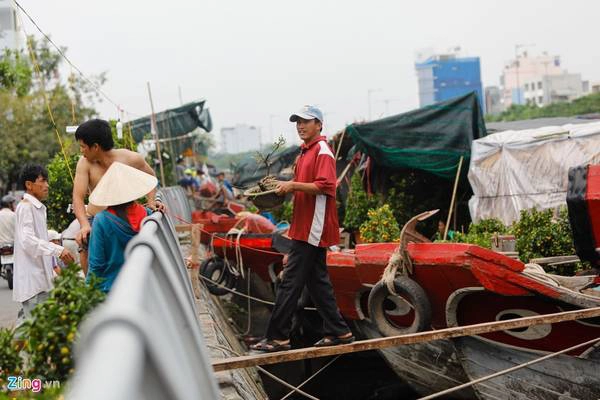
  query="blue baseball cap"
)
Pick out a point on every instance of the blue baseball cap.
point(308, 113)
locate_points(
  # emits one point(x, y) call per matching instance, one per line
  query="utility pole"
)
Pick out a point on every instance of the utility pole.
point(517, 65)
point(369, 91)
point(180, 97)
point(153, 129)
point(271, 126)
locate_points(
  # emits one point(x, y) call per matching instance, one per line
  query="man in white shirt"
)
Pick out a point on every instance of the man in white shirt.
point(7, 220)
point(33, 251)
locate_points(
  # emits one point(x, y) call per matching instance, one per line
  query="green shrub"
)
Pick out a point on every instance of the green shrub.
point(11, 363)
point(52, 330)
point(538, 234)
point(380, 227)
point(358, 204)
point(61, 191)
point(481, 233)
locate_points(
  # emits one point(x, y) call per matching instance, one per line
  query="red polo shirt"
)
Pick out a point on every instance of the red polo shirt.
point(315, 218)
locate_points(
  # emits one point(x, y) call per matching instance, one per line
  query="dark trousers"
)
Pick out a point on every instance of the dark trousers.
point(306, 267)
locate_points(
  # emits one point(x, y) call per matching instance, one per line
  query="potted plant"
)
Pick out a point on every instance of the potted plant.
point(358, 204)
point(380, 226)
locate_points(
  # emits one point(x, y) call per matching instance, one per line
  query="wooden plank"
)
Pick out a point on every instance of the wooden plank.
point(557, 260)
point(392, 341)
point(183, 228)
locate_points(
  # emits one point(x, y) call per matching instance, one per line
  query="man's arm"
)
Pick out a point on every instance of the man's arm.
point(140, 163)
point(36, 246)
point(80, 189)
point(284, 187)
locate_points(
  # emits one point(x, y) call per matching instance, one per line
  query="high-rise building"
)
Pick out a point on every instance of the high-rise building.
point(240, 138)
point(445, 76)
point(10, 34)
point(493, 105)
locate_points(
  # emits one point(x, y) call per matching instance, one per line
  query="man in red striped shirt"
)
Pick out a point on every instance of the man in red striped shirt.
point(314, 228)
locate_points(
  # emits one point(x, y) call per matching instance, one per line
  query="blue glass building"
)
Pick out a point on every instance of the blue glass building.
point(443, 77)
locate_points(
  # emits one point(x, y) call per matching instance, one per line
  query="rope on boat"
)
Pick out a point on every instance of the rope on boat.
point(233, 291)
point(509, 370)
point(212, 235)
point(295, 389)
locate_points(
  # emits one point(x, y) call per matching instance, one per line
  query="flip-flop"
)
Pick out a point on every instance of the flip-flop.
point(270, 346)
point(334, 341)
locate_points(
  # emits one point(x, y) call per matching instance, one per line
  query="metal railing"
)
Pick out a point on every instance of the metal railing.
point(178, 204)
point(145, 341)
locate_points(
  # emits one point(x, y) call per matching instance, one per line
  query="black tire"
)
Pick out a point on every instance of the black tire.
point(380, 299)
point(9, 276)
point(216, 270)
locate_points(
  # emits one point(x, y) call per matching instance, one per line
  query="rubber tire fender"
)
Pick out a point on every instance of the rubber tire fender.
point(208, 269)
point(411, 291)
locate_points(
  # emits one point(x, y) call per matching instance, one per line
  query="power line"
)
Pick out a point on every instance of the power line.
point(63, 55)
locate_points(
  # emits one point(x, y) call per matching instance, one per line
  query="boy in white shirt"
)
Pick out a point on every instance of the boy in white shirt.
point(33, 251)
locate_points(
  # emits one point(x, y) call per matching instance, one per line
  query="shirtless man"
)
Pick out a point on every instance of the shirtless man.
point(96, 145)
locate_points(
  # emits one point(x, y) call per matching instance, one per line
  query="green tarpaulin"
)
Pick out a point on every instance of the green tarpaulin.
point(431, 138)
point(249, 171)
point(174, 122)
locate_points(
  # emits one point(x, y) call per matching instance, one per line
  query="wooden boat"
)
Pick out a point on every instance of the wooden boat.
point(427, 368)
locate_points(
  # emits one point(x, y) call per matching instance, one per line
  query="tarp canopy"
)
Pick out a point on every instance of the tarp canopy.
point(517, 170)
point(249, 171)
point(431, 138)
point(174, 122)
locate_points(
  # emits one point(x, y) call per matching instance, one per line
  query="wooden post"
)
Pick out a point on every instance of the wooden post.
point(154, 131)
point(393, 341)
point(453, 198)
point(196, 231)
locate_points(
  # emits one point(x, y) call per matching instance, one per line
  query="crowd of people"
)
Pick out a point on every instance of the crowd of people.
point(211, 192)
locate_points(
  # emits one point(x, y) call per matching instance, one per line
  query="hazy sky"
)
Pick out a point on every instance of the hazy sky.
point(255, 59)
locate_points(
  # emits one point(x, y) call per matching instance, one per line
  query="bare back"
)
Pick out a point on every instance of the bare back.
point(88, 174)
point(96, 171)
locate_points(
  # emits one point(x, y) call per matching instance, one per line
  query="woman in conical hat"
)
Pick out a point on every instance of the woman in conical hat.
point(114, 227)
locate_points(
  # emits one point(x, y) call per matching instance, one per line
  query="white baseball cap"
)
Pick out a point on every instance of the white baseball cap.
point(307, 112)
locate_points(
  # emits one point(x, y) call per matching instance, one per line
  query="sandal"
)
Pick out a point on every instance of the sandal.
point(270, 346)
point(334, 341)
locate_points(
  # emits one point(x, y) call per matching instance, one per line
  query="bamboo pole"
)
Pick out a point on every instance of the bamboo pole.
point(154, 130)
point(393, 341)
point(453, 198)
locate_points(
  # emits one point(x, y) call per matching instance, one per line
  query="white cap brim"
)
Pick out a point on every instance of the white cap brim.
point(308, 117)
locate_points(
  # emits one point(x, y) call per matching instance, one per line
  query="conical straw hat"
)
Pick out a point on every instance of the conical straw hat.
point(122, 184)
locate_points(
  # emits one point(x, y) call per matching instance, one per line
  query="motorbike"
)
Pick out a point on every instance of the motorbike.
point(6, 263)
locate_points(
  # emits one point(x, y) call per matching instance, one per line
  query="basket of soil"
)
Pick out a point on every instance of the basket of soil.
point(263, 194)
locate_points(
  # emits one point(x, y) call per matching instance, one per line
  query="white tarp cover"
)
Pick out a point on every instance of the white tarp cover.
point(516, 170)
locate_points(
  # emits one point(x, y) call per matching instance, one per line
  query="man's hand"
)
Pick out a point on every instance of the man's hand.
point(67, 257)
point(284, 187)
point(83, 234)
point(157, 205)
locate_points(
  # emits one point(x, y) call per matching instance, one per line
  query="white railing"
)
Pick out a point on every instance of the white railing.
point(178, 204)
point(145, 341)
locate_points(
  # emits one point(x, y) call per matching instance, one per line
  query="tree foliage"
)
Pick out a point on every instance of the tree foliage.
point(380, 227)
point(27, 133)
point(541, 234)
point(584, 105)
point(481, 233)
point(358, 204)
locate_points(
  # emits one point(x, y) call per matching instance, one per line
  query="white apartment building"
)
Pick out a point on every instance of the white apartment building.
point(539, 80)
point(10, 33)
point(240, 138)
